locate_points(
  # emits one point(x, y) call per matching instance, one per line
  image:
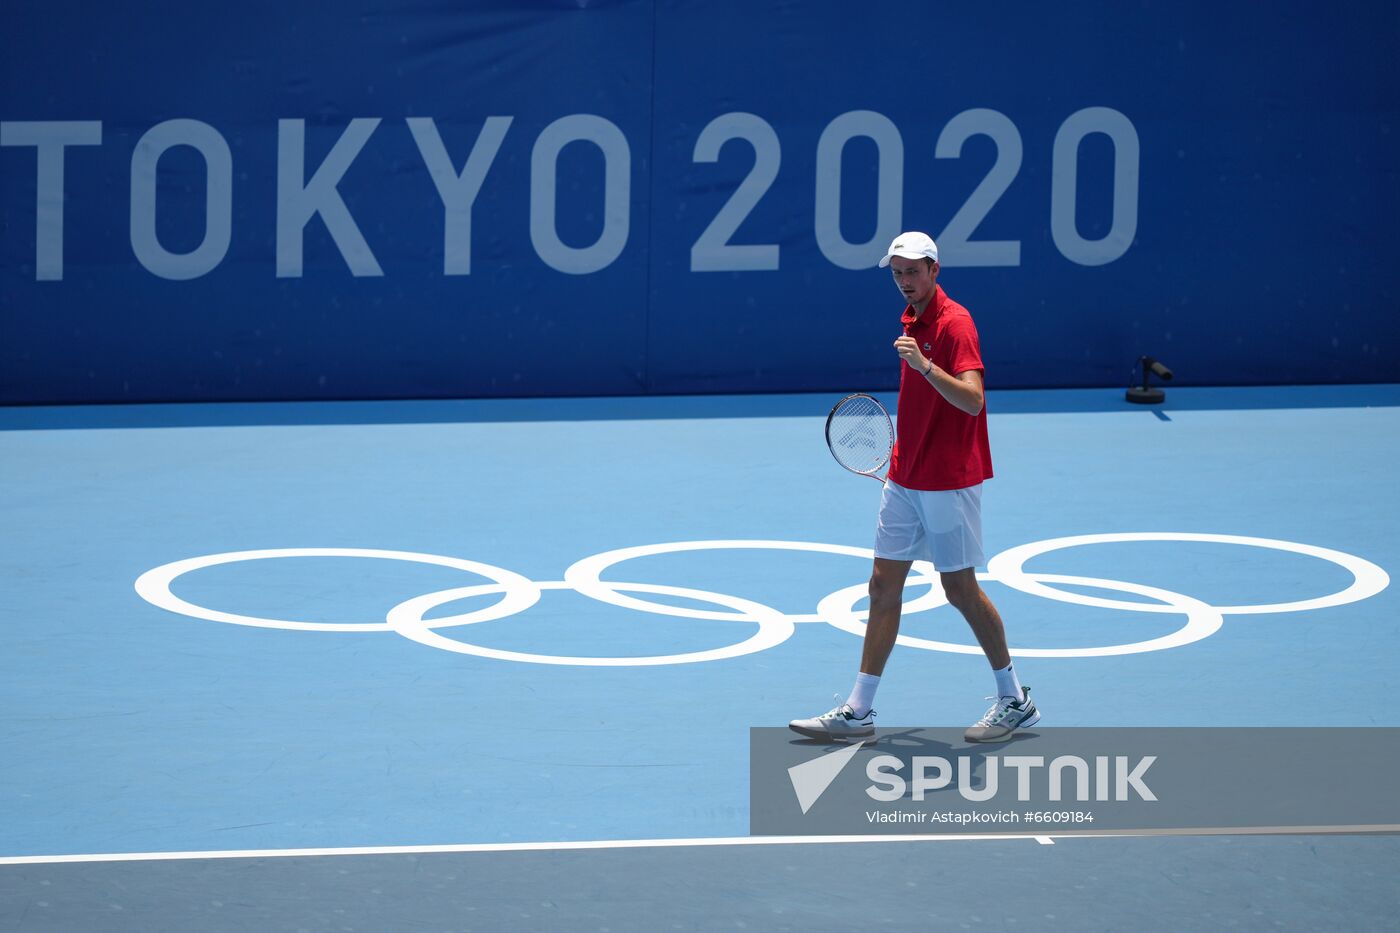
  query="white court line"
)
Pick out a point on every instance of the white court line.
point(1349, 829)
point(506, 847)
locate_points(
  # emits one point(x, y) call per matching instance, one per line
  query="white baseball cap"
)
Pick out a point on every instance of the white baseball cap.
point(912, 245)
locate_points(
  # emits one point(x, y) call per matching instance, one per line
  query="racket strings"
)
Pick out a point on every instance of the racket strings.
point(860, 435)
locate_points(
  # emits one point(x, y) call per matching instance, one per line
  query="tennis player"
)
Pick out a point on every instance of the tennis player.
point(931, 508)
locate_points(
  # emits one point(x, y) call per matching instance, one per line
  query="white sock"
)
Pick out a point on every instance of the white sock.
point(863, 694)
point(1007, 684)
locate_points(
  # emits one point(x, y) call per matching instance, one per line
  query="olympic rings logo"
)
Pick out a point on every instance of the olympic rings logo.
point(518, 593)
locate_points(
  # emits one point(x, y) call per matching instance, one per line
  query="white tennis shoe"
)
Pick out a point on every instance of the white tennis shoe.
point(839, 723)
point(1005, 717)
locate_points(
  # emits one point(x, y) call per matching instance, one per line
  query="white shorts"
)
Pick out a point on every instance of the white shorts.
point(941, 526)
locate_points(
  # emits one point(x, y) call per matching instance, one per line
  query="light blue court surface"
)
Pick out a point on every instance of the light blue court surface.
point(130, 728)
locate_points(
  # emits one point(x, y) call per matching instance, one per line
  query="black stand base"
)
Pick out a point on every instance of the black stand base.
point(1146, 395)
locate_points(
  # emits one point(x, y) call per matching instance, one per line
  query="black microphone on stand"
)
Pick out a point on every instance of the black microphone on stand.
point(1145, 394)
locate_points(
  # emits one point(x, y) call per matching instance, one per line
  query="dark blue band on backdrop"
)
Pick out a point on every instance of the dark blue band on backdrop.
point(405, 199)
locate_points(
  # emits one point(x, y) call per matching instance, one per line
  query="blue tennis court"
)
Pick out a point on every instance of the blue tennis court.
point(416, 510)
point(593, 601)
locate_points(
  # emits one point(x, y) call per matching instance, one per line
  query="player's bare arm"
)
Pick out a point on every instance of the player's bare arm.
point(963, 391)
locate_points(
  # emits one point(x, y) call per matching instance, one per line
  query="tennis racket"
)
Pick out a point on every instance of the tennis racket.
point(860, 436)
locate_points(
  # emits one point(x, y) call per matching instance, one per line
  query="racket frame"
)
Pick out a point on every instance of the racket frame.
point(888, 421)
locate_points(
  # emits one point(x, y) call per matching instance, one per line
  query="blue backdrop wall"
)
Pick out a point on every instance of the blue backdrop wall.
point(409, 198)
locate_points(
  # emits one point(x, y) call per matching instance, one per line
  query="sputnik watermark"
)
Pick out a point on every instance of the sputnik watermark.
point(1115, 778)
point(1152, 780)
point(933, 773)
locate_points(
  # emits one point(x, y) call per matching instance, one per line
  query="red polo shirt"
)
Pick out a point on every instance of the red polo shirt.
point(940, 446)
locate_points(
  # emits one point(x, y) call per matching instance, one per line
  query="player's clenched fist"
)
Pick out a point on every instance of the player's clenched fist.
point(908, 348)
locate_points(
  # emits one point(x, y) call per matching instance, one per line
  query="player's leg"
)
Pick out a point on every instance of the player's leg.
point(1013, 708)
point(954, 519)
point(886, 601)
point(966, 595)
point(899, 538)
